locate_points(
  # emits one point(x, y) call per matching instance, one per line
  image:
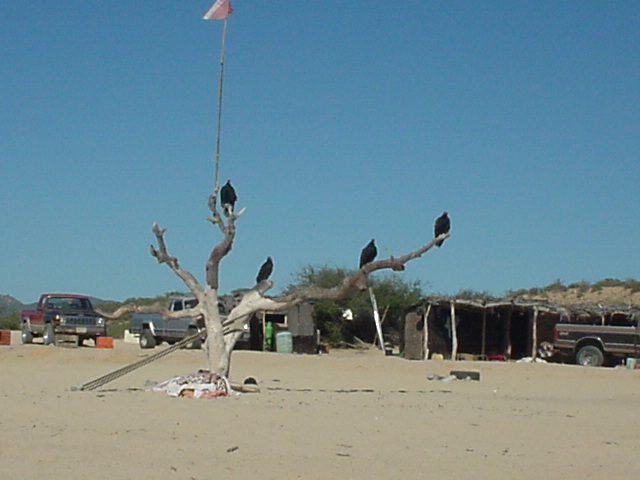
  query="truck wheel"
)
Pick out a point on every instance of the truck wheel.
point(590, 356)
point(146, 339)
point(49, 334)
point(27, 336)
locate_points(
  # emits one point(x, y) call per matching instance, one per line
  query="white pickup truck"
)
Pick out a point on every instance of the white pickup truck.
point(153, 328)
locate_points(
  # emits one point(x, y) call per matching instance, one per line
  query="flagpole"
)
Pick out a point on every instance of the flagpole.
point(220, 83)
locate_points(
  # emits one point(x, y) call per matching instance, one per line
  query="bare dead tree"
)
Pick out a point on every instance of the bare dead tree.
point(222, 334)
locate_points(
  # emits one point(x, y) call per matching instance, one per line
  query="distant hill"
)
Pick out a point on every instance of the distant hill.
point(8, 304)
point(605, 292)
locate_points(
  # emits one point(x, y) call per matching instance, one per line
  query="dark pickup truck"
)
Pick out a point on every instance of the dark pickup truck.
point(153, 328)
point(62, 313)
point(597, 345)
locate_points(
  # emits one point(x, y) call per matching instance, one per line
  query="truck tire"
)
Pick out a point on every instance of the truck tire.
point(49, 335)
point(147, 339)
point(26, 336)
point(590, 356)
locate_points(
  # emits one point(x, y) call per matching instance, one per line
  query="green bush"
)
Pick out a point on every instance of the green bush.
point(582, 285)
point(633, 285)
point(481, 296)
point(393, 295)
point(555, 286)
point(10, 322)
point(610, 282)
point(116, 328)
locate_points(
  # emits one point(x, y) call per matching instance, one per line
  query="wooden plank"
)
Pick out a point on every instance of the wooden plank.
point(454, 332)
point(484, 332)
point(425, 330)
point(376, 318)
point(534, 333)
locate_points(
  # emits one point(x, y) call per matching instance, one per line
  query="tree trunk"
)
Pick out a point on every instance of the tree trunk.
point(214, 345)
point(222, 335)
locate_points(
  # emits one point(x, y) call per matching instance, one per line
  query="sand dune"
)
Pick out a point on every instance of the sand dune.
point(343, 415)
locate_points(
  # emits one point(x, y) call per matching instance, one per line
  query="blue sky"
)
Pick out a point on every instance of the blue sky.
point(342, 121)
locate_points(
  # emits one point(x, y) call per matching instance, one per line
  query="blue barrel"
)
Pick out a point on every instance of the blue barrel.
point(284, 342)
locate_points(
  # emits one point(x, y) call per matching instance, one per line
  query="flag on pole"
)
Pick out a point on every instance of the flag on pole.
point(220, 10)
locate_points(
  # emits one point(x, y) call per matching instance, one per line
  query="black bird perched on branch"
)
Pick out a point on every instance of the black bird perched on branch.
point(443, 225)
point(368, 253)
point(228, 197)
point(265, 270)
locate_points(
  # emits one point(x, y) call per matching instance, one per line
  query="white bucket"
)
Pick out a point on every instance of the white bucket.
point(284, 342)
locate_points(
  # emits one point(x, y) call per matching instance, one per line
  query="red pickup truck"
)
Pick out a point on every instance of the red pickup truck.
point(62, 313)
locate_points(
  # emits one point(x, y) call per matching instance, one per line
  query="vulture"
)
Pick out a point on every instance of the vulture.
point(265, 270)
point(228, 196)
point(443, 225)
point(368, 253)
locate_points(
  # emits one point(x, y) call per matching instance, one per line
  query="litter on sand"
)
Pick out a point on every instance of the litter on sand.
point(203, 384)
point(455, 375)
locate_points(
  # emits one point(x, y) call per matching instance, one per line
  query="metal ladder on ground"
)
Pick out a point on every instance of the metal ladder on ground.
point(111, 376)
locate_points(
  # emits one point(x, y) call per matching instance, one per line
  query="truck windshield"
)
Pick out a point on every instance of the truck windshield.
point(67, 303)
point(190, 303)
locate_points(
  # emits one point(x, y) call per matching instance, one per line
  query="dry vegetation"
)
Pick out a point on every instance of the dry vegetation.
point(605, 292)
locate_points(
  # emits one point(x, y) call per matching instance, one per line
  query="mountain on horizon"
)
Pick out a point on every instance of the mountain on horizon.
point(9, 304)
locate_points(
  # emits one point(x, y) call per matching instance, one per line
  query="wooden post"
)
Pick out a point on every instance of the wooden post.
point(454, 333)
point(534, 333)
point(376, 318)
point(218, 133)
point(507, 333)
point(484, 333)
point(264, 326)
point(426, 333)
point(384, 317)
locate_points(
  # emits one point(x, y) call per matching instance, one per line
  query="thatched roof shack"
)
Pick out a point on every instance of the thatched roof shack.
point(502, 329)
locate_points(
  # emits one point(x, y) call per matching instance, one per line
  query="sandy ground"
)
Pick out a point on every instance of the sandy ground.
point(344, 415)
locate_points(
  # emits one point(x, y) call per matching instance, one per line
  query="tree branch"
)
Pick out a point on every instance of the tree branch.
point(228, 230)
point(155, 308)
point(254, 300)
point(357, 280)
point(163, 257)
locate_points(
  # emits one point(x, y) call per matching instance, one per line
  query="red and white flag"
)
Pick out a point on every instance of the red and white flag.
point(220, 10)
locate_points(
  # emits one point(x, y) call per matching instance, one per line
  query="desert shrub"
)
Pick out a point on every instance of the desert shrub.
point(512, 294)
point(116, 328)
point(582, 285)
point(482, 296)
point(10, 321)
point(633, 285)
point(610, 282)
point(328, 318)
point(555, 286)
point(393, 295)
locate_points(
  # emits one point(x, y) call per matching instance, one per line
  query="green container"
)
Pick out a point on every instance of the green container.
point(268, 337)
point(284, 342)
